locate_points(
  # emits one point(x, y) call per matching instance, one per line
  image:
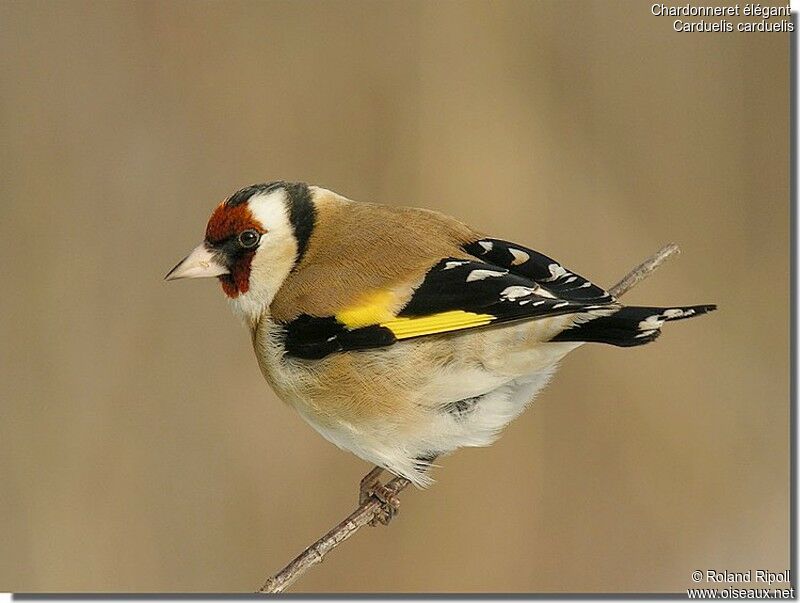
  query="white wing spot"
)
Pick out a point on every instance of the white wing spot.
point(479, 275)
point(651, 323)
point(556, 271)
point(487, 245)
point(538, 303)
point(560, 305)
point(586, 284)
point(571, 279)
point(520, 257)
point(677, 313)
point(515, 292)
point(449, 265)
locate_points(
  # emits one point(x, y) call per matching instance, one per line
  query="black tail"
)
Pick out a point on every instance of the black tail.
point(629, 326)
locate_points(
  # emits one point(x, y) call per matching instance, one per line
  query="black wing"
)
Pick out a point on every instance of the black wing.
point(455, 295)
point(539, 268)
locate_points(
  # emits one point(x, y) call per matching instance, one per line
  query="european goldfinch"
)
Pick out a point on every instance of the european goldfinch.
point(401, 334)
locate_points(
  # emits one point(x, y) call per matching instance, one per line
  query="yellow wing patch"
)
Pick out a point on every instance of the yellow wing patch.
point(378, 309)
point(404, 328)
point(375, 309)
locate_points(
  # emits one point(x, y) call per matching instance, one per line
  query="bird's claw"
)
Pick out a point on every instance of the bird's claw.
point(368, 482)
point(390, 504)
point(372, 488)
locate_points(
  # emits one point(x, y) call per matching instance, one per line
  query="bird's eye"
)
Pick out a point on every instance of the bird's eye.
point(249, 238)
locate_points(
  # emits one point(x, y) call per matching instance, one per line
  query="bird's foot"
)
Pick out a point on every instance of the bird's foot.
point(371, 487)
point(368, 482)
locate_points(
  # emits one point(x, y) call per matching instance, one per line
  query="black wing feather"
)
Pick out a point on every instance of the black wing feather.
point(452, 284)
point(541, 269)
point(312, 338)
point(507, 282)
point(485, 289)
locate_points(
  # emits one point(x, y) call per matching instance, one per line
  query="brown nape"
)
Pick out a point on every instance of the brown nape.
point(223, 227)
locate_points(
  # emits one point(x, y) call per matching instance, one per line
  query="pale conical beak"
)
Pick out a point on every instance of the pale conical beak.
point(200, 263)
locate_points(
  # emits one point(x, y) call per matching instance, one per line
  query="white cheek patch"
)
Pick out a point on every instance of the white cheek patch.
point(277, 249)
point(274, 256)
point(270, 211)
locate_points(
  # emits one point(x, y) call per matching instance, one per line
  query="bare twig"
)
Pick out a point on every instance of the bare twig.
point(369, 510)
point(643, 270)
point(362, 516)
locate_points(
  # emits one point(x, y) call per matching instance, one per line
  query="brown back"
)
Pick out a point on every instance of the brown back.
point(361, 248)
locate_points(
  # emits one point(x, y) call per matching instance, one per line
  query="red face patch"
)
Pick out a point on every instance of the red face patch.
point(222, 231)
point(227, 222)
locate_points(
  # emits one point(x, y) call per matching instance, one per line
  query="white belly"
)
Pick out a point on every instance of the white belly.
point(474, 421)
point(440, 405)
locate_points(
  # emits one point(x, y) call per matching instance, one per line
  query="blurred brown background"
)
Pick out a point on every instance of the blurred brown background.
point(141, 449)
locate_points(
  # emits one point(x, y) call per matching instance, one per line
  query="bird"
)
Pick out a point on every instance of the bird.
point(401, 334)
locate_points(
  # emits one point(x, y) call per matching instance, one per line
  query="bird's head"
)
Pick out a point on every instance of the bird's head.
point(253, 241)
